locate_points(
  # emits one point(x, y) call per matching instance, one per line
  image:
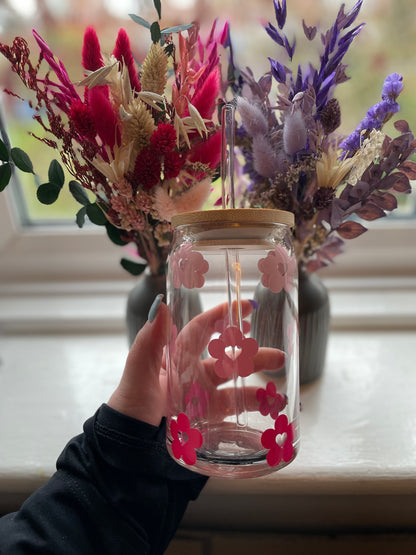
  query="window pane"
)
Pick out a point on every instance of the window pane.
point(380, 49)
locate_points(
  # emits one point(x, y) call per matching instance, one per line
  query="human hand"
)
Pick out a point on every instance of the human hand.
point(142, 392)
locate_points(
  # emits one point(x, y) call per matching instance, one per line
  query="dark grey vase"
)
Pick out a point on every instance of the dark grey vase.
point(142, 295)
point(140, 300)
point(314, 316)
point(313, 309)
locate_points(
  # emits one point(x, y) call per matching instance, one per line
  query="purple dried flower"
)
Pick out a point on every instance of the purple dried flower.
point(294, 133)
point(310, 32)
point(393, 86)
point(377, 115)
point(274, 34)
point(278, 71)
point(290, 49)
point(281, 12)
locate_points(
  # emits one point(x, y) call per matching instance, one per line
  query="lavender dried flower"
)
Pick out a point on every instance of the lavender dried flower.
point(295, 161)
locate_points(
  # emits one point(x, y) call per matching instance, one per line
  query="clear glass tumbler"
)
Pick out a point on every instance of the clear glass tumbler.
point(233, 393)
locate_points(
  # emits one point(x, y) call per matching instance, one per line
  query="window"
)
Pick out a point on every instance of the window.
point(30, 233)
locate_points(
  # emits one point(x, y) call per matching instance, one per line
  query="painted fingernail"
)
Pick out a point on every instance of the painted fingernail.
point(154, 308)
point(254, 303)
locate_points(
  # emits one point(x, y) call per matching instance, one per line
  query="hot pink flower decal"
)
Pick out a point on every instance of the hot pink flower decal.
point(185, 439)
point(234, 352)
point(279, 441)
point(271, 402)
point(188, 267)
point(278, 270)
point(196, 401)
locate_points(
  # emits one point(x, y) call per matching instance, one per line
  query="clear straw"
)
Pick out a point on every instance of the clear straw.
point(232, 263)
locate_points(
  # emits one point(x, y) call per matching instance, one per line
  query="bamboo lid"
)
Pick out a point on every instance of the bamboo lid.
point(235, 217)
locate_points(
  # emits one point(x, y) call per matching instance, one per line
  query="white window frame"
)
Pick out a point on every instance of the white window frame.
point(64, 252)
point(56, 252)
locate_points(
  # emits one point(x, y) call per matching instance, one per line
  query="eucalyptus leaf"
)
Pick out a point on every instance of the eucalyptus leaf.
point(47, 193)
point(139, 20)
point(56, 174)
point(95, 214)
point(4, 153)
point(176, 29)
point(155, 32)
point(79, 193)
point(80, 217)
point(158, 6)
point(133, 268)
point(115, 234)
point(22, 160)
point(5, 175)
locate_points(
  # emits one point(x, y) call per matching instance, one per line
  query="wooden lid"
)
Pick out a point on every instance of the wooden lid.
point(235, 217)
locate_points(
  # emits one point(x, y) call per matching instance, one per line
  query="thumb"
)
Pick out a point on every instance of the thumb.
point(140, 393)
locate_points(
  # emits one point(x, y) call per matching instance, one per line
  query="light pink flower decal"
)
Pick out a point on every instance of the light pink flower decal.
point(278, 270)
point(271, 402)
point(196, 401)
point(188, 267)
point(234, 352)
point(279, 441)
point(185, 439)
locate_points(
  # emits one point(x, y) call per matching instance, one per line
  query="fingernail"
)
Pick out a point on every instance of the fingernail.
point(254, 303)
point(154, 308)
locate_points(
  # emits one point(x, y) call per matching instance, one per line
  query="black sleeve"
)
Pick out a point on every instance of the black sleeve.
point(116, 491)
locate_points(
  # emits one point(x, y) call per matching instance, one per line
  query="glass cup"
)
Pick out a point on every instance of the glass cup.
point(233, 393)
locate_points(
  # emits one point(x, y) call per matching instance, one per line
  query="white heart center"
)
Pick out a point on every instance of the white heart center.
point(281, 438)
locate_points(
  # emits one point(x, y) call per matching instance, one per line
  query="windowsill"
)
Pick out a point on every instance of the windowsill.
point(357, 464)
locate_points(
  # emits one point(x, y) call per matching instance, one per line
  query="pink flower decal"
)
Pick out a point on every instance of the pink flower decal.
point(196, 401)
point(185, 439)
point(278, 270)
point(188, 267)
point(271, 402)
point(279, 441)
point(234, 352)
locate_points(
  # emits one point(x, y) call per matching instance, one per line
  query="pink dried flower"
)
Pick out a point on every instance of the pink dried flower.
point(122, 53)
point(207, 152)
point(147, 169)
point(105, 119)
point(91, 51)
point(172, 164)
point(205, 98)
point(163, 139)
point(82, 119)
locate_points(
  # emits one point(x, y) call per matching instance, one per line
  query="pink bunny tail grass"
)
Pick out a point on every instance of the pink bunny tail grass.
point(91, 51)
point(122, 53)
point(208, 152)
point(192, 199)
point(104, 117)
point(205, 98)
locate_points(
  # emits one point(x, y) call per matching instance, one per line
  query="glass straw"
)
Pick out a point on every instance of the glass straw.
point(232, 264)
